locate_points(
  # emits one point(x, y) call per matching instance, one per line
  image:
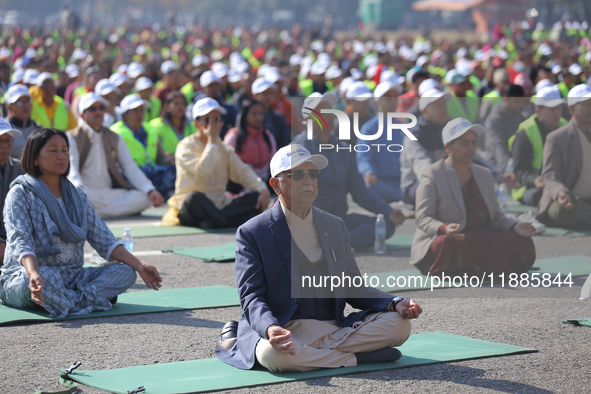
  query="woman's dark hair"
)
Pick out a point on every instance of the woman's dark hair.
point(36, 141)
point(170, 97)
point(247, 105)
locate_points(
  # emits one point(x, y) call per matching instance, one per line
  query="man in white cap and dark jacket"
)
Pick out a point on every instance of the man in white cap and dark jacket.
point(18, 100)
point(10, 168)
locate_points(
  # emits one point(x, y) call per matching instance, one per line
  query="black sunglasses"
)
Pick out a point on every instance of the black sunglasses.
point(298, 175)
point(94, 109)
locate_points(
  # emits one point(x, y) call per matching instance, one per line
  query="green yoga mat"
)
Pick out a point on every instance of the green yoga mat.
point(139, 231)
point(395, 281)
point(226, 252)
point(578, 322)
point(211, 374)
point(520, 208)
point(137, 302)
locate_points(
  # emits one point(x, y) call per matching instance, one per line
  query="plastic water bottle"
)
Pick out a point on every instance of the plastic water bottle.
point(503, 197)
point(510, 167)
point(127, 240)
point(380, 233)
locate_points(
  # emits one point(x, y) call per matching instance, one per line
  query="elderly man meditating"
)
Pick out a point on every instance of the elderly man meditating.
point(288, 327)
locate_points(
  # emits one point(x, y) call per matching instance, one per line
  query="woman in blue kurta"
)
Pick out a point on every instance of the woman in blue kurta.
point(47, 221)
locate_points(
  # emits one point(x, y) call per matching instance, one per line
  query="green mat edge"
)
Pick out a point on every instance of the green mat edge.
point(365, 368)
point(46, 319)
point(577, 322)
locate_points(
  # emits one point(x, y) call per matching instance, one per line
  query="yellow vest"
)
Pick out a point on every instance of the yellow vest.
point(169, 137)
point(60, 116)
point(141, 154)
point(456, 108)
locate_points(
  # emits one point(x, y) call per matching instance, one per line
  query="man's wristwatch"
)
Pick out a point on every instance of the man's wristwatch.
point(395, 302)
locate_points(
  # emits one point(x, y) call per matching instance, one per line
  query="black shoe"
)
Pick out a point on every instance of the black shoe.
point(113, 300)
point(385, 355)
point(229, 331)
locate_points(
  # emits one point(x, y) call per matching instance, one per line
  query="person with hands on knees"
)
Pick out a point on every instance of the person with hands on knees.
point(286, 324)
point(460, 228)
point(48, 220)
point(204, 166)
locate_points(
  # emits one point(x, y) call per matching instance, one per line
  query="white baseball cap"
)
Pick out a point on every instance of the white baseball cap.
point(205, 106)
point(207, 78)
point(316, 98)
point(72, 70)
point(260, 85)
point(135, 69)
point(427, 85)
point(292, 156)
point(118, 79)
point(318, 68)
point(272, 75)
point(219, 69)
point(199, 60)
point(6, 128)
point(234, 76)
point(544, 83)
point(143, 83)
point(17, 76)
point(392, 77)
point(88, 100)
point(548, 96)
point(345, 84)
point(130, 102)
point(575, 69)
point(168, 67)
point(359, 91)
point(333, 72)
point(578, 94)
point(44, 76)
point(104, 87)
point(383, 88)
point(295, 60)
point(122, 69)
point(433, 95)
point(459, 126)
point(15, 92)
point(30, 76)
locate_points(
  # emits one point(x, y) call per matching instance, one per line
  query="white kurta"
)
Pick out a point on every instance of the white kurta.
point(96, 181)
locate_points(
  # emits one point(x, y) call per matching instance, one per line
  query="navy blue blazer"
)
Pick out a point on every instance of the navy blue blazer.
point(263, 276)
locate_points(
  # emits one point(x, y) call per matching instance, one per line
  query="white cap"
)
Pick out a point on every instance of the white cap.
point(199, 60)
point(544, 49)
point(370, 60)
point(318, 68)
point(118, 79)
point(461, 53)
point(234, 76)
point(384, 87)
point(358, 91)
point(317, 46)
point(556, 69)
point(272, 75)
point(459, 126)
point(575, 69)
point(260, 85)
point(316, 98)
point(104, 87)
point(207, 78)
point(205, 106)
point(143, 83)
point(72, 70)
point(4, 52)
point(345, 84)
point(30, 52)
point(88, 100)
point(579, 93)
point(544, 83)
point(79, 54)
point(392, 77)
point(548, 96)
point(135, 69)
point(122, 69)
point(168, 67)
point(15, 92)
point(219, 69)
point(422, 60)
point(432, 95)
point(130, 102)
point(333, 72)
point(30, 76)
point(428, 84)
point(6, 128)
point(356, 74)
point(17, 76)
point(371, 71)
point(44, 76)
point(295, 60)
point(292, 156)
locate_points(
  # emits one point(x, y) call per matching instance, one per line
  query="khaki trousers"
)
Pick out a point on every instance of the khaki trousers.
point(325, 344)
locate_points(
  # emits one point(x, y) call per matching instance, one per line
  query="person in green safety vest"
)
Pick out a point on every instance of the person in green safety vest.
point(193, 85)
point(173, 125)
point(462, 104)
point(144, 145)
point(527, 145)
point(152, 107)
point(500, 80)
point(49, 110)
point(570, 78)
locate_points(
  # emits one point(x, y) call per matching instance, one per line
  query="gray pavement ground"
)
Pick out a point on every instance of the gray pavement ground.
point(31, 353)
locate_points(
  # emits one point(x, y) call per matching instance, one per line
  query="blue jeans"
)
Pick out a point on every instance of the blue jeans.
point(162, 177)
point(362, 229)
point(388, 191)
